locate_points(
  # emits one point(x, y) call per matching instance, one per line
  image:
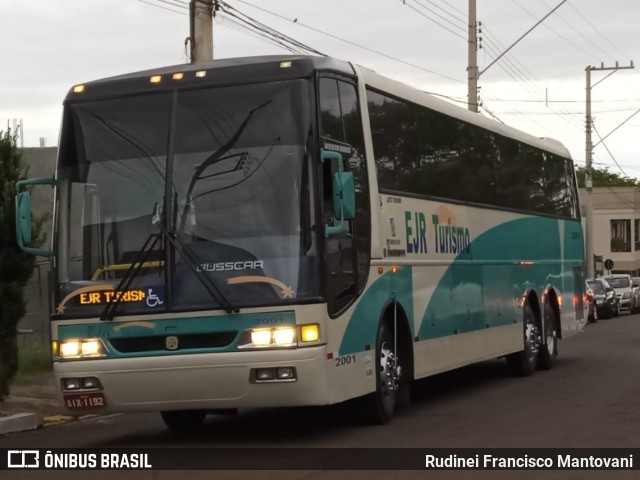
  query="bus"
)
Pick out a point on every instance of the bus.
point(296, 231)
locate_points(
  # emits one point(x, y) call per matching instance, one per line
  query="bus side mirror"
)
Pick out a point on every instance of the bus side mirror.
point(343, 194)
point(23, 217)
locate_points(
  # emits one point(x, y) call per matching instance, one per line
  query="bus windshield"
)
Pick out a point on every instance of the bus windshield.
point(219, 176)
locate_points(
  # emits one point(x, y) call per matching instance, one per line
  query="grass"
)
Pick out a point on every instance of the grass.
point(34, 358)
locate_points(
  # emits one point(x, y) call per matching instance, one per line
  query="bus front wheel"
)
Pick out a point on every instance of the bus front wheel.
point(523, 363)
point(381, 404)
point(183, 420)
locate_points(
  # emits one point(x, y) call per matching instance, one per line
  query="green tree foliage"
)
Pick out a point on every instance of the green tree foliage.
point(16, 266)
point(602, 177)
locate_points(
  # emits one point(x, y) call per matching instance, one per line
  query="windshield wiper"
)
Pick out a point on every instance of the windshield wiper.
point(132, 272)
point(141, 258)
point(213, 158)
point(209, 284)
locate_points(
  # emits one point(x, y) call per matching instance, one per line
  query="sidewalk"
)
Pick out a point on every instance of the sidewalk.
point(30, 404)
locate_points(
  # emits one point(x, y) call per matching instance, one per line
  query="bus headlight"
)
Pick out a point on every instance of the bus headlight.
point(283, 336)
point(261, 337)
point(78, 349)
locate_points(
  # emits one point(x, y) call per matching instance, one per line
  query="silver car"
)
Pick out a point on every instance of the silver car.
point(629, 301)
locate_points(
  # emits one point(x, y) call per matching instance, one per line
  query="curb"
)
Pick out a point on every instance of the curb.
point(20, 422)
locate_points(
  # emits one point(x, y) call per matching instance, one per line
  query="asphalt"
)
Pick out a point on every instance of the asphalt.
point(31, 404)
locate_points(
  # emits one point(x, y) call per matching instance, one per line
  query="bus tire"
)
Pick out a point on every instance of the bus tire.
point(549, 345)
point(381, 404)
point(523, 363)
point(183, 421)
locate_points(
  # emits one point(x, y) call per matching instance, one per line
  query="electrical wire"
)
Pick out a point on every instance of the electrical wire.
point(349, 42)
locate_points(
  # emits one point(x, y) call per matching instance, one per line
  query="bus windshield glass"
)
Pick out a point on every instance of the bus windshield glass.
point(215, 181)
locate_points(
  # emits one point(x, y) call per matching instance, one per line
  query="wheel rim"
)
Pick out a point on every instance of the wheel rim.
point(550, 335)
point(532, 340)
point(390, 373)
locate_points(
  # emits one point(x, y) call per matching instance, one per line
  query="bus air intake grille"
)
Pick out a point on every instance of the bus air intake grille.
point(173, 342)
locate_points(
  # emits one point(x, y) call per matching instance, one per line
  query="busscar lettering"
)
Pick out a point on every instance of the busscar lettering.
point(231, 266)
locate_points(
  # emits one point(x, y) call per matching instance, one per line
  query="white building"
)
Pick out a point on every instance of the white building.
point(616, 228)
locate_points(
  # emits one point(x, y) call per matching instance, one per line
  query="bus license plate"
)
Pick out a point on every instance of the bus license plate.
point(85, 400)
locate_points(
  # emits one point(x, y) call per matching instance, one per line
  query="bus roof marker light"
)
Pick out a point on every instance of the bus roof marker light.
point(394, 269)
point(285, 64)
point(78, 89)
point(201, 74)
point(178, 76)
point(155, 79)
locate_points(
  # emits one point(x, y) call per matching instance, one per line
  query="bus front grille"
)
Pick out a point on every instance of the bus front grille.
point(176, 342)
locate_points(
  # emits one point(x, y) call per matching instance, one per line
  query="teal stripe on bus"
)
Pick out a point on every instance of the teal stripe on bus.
point(362, 328)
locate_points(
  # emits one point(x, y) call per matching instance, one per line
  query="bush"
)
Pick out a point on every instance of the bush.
point(16, 266)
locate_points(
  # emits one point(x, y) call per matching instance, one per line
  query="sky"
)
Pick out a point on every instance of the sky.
point(538, 86)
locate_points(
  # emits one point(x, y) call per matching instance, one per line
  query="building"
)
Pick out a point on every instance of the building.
point(616, 228)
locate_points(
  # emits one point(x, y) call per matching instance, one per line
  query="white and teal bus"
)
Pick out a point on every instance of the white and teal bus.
point(283, 231)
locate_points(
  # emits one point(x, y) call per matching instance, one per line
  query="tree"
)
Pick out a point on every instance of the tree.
point(602, 177)
point(16, 266)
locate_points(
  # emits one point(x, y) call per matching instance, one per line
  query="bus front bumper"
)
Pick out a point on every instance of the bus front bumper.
point(196, 381)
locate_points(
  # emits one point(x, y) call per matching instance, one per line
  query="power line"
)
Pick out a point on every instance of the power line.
point(160, 6)
point(607, 148)
point(531, 14)
point(462, 18)
point(454, 25)
point(598, 31)
point(432, 20)
point(585, 37)
point(362, 47)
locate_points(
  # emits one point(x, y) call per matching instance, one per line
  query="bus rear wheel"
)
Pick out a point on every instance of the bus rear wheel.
point(183, 421)
point(549, 347)
point(523, 363)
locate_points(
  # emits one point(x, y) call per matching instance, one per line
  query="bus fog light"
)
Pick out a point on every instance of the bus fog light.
point(71, 384)
point(309, 333)
point(91, 382)
point(284, 336)
point(286, 373)
point(261, 338)
point(264, 374)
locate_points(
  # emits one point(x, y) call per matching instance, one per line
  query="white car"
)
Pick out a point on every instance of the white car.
point(627, 295)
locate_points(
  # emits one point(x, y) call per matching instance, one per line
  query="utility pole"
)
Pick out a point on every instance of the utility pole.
point(201, 29)
point(588, 174)
point(472, 68)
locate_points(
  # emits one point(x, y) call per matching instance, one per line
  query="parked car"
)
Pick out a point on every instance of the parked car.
point(622, 285)
point(606, 301)
point(636, 287)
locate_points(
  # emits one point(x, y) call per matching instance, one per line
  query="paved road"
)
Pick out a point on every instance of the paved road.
point(590, 399)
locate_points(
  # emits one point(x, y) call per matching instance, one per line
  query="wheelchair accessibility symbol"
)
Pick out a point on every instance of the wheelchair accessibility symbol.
point(153, 300)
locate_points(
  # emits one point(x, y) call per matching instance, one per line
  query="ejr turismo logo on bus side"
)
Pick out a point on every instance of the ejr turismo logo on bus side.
point(445, 235)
